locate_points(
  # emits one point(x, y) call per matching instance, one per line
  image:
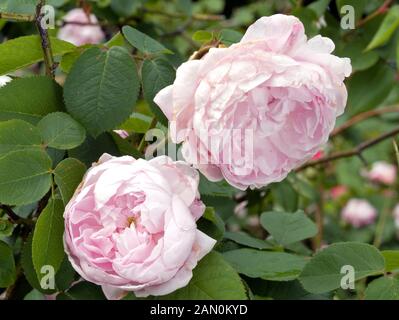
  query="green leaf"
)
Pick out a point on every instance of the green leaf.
point(138, 123)
point(7, 266)
point(6, 227)
point(358, 6)
point(102, 88)
point(59, 130)
point(229, 36)
point(213, 278)
point(18, 135)
point(67, 175)
point(30, 99)
point(202, 36)
point(25, 176)
point(285, 196)
point(84, 291)
point(92, 149)
point(211, 224)
point(65, 275)
point(24, 51)
point(391, 260)
point(323, 272)
point(275, 266)
point(386, 29)
point(287, 228)
point(380, 77)
point(68, 60)
point(383, 288)
point(246, 240)
point(156, 75)
point(28, 268)
point(47, 244)
point(125, 8)
point(319, 7)
point(35, 295)
point(142, 42)
point(215, 189)
point(18, 6)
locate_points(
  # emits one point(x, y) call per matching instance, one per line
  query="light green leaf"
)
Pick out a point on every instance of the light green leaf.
point(7, 266)
point(137, 122)
point(35, 295)
point(59, 130)
point(25, 176)
point(275, 266)
point(102, 88)
point(126, 8)
point(156, 75)
point(142, 42)
point(386, 29)
point(323, 272)
point(202, 36)
point(383, 288)
point(47, 244)
point(287, 228)
point(30, 99)
point(68, 174)
point(18, 135)
point(23, 51)
point(213, 278)
point(391, 260)
point(246, 240)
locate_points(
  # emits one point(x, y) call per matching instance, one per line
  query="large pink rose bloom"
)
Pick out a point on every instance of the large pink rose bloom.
point(359, 213)
point(81, 34)
point(267, 103)
point(382, 172)
point(131, 226)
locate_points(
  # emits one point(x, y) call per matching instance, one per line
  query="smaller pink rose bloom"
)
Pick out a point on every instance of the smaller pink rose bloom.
point(122, 133)
point(80, 35)
point(4, 80)
point(359, 213)
point(382, 172)
point(131, 226)
point(338, 191)
point(396, 215)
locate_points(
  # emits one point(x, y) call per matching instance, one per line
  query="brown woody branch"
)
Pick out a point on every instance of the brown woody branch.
point(353, 152)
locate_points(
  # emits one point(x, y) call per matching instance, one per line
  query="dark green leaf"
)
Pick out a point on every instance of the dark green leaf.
point(142, 42)
point(7, 266)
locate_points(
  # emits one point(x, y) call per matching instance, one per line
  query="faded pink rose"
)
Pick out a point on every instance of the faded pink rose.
point(267, 103)
point(80, 35)
point(359, 213)
point(382, 172)
point(131, 226)
point(4, 80)
point(338, 191)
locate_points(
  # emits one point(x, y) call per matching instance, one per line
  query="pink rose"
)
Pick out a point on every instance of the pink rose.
point(4, 80)
point(382, 172)
point(81, 34)
point(131, 226)
point(396, 215)
point(359, 213)
point(267, 104)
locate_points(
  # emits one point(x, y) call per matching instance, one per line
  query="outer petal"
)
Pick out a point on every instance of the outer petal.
point(164, 100)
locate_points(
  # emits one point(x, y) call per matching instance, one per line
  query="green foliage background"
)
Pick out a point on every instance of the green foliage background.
point(271, 248)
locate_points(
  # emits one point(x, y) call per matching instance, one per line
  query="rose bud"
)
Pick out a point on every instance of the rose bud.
point(254, 111)
point(359, 213)
point(75, 30)
point(382, 172)
point(131, 226)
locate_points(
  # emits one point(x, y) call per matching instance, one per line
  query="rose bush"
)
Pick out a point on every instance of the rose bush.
point(226, 150)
